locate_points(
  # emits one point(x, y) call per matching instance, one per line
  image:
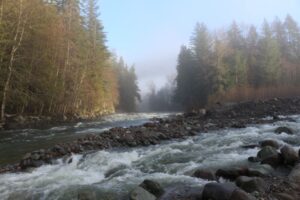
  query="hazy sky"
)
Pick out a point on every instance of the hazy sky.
point(149, 33)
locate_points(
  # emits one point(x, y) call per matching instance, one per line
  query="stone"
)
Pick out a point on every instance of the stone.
point(182, 192)
point(241, 195)
point(218, 191)
point(271, 143)
point(284, 129)
point(253, 159)
point(290, 156)
point(260, 170)
point(267, 152)
point(140, 193)
point(251, 184)
point(152, 187)
point(205, 174)
point(231, 174)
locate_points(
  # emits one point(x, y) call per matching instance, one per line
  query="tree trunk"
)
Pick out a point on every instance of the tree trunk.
point(17, 42)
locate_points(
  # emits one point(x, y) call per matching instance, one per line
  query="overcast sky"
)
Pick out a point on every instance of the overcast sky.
point(149, 33)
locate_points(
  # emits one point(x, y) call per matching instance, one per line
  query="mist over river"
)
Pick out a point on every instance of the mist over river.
point(112, 174)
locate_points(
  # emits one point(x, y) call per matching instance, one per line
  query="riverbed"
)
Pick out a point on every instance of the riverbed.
point(112, 174)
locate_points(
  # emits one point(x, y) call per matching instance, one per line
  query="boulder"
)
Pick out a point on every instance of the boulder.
point(152, 187)
point(290, 156)
point(182, 192)
point(267, 152)
point(273, 161)
point(205, 174)
point(284, 129)
point(251, 184)
point(231, 174)
point(224, 191)
point(271, 143)
point(218, 191)
point(260, 170)
point(140, 193)
point(253, 159)
point(241, 195)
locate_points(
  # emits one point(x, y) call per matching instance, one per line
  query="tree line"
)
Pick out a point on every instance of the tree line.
point(54, 61)
point(240, 63)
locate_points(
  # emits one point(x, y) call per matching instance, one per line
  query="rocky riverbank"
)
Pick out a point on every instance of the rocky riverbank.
point(236, 116)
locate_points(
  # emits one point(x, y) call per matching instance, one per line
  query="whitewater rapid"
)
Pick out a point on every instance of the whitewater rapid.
point(112, 174)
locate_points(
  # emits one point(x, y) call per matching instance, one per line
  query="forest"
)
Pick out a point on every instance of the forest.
point(54, 61)
point(239, 63)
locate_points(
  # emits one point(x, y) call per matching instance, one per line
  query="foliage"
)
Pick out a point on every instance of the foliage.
point(237, 61)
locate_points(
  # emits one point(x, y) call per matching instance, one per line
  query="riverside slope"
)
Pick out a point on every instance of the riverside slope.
point(237, 116)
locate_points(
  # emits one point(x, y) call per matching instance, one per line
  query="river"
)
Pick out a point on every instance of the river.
point(112, 174)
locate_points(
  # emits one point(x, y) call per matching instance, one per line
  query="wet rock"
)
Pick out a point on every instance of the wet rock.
point(241, 195)
point(260, 170)
point(205, 174)
point(182, 192)
point(152, 187)
point(271, 143)
point(218, 191)
point(140, 193)
point(290, 156)
point(251, 184)
point(231, 174)
point(267, 152)
point(273, 161)
point(250, 146)
point(224, 191)
point(254, 159)
point(284, 129)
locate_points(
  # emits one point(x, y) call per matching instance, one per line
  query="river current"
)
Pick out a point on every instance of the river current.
point(112, 174)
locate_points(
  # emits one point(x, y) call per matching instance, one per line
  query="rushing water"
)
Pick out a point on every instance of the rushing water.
point(113, 174)
point(14, 143)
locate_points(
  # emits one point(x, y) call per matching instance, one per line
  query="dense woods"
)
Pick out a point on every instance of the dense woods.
point(241, 63)
point(128, 88)
point(53, 60)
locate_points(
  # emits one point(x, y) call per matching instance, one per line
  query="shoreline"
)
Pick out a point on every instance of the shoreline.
point(176, 127)
point(180, 127)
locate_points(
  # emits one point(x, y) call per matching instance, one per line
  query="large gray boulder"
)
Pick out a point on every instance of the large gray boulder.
point(284, 129)
point(152, 187)
point(267, 152)
point(271, 143)
point(251, 184)
point(218, 191)
point(205, 174)
point(290, 156)
point(140, 193)
point(224, 191)
point(261, 170)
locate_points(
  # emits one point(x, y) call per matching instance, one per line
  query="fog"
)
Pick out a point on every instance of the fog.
point(149, 34)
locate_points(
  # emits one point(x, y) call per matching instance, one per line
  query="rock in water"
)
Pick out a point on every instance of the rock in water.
point(218, 191)
point(271, 143)
point(267, 152)
point(140, 193)
point(205, 174)
point(251, 184)
point(152, 187)
point(224, 191)
point(289, 155)
point(284, 129)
